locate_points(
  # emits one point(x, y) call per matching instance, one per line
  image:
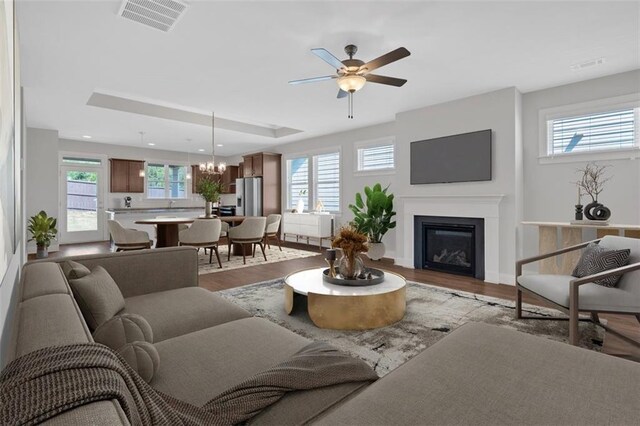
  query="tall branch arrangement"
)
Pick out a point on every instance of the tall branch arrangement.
point(594, 177)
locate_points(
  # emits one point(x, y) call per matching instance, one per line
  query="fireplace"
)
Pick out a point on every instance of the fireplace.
point(449, 244)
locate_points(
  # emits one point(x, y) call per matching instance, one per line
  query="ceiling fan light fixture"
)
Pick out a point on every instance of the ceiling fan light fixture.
point(351, 83)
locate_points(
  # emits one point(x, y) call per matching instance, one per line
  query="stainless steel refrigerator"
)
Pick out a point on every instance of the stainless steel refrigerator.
point(249, 196)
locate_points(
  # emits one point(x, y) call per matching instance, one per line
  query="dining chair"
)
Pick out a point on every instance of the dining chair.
point(250, 232)
point(203, 233)
point(271, 229)
point(128, 239)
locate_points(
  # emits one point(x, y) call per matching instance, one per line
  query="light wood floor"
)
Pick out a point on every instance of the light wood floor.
point(625, 324)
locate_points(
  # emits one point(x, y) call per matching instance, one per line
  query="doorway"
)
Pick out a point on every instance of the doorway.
point(82, 217)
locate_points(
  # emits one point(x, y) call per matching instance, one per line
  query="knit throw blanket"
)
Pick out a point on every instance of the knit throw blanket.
point(49, 381)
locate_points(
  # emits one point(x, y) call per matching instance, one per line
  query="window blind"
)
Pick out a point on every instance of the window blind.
point(600, 131)
point(298, 180)
point(327, 180)
point(376, 157)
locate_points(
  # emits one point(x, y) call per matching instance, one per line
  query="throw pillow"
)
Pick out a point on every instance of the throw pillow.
point(74, 270)
point(98, 296)
point(123, 329)
point(143, 357)
point(596, 259)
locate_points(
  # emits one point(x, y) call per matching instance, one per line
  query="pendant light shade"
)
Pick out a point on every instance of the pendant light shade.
point(210, 166)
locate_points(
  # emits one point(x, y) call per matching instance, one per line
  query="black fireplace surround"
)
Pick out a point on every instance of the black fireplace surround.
point(449, 244)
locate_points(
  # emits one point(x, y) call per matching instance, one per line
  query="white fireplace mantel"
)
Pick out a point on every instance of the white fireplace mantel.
point(486, 207)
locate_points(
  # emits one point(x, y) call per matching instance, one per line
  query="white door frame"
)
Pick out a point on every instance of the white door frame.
point(100, 234)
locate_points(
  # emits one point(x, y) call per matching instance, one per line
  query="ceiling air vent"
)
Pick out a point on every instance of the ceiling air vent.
point(159, 14)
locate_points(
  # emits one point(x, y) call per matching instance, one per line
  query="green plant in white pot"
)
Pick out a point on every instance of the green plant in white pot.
point(43, 230)
point(374, 217)
point(210, 189)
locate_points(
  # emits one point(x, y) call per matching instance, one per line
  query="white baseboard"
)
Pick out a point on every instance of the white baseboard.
point(508, 279)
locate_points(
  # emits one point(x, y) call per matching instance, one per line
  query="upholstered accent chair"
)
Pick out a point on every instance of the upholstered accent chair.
point(128, 239)
point(271, 230)
point(249, 233)
point(203, 233)
point(573, 295)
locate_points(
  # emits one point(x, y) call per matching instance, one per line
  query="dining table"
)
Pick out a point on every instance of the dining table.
point(167, 227)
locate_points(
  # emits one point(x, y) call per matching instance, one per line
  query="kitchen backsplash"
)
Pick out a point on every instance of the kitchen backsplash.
point(116, 201)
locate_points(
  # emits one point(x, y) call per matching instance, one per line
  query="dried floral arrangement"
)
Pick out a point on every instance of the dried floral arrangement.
point(593, 179)
point(350, 241)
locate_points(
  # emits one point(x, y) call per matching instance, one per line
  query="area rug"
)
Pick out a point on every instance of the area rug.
point(432, 313)
point(273, 255)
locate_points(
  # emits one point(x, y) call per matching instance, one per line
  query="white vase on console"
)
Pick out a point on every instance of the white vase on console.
point(300, 206)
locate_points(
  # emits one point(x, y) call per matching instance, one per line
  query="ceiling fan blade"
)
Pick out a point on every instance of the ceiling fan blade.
point(390, 81)
point(342, 94)
point(386, 59)
point(326, 56)
point(313, 79)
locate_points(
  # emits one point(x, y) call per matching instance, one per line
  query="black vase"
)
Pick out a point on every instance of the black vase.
point(597, 211)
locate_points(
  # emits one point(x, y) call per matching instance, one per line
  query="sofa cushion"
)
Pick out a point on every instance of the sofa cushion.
point(596, 259)
point(42, 278)
point(109, 413)
point(142, 357)
point(176, 312)
point(47, 321)
point(487, 375)
point(98, 296)
point(123, 329)
point(74, 270)
point(591, 296)
point(221, 357)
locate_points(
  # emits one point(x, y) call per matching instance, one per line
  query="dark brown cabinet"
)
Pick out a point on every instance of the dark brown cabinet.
point(267, 166)
point(241, 170)
point(228, 179)
point(125, 175)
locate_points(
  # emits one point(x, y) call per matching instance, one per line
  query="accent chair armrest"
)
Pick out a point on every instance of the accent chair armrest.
point(605, 274)
point(558, 252)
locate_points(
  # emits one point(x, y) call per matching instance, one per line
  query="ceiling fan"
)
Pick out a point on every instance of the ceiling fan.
point(352, 74)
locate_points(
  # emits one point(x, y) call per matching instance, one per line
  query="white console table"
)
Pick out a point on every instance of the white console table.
point(308, 225)
point(571, 234)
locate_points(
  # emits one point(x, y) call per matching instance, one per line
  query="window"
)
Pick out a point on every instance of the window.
point(326, 182)
point(166, 181)
point(314, 178)
point(376, 157)
point(600, 131)
point(298, 181)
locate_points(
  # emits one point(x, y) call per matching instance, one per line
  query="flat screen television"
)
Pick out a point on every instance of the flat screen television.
point(456, 158)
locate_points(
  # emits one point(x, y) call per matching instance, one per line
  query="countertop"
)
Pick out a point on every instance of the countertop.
point(154, 210)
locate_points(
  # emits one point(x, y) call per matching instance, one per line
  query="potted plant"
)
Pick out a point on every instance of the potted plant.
point(374, 217)
point(209, 189)
point(352, 243)
point(43, 230)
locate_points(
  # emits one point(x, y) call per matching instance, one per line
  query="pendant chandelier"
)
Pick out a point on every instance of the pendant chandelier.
point(141, 172)
point(210, 167)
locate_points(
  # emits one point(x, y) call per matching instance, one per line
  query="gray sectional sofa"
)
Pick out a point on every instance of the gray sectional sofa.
point(479, 374)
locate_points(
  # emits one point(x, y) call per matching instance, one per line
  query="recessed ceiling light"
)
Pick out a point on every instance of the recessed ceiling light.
point(220, 144)
point(86, 136)
point(151, 144)
point(201, 150)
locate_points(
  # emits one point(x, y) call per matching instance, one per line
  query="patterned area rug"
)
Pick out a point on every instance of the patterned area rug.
point(273, 255)
point(432, 313)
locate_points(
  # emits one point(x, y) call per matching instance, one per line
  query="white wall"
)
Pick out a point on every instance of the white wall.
point(495, 110)
point(549, 192)
point(350, 183)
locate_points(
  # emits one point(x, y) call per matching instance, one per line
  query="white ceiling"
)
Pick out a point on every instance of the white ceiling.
point(235, 58)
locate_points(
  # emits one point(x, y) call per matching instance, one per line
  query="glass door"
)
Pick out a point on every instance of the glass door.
point(82, 211)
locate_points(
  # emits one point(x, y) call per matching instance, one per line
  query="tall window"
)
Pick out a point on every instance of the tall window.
point(298, 181)
point(609, 130)
point(376, 157)
point(166, 181)
point(326, 180)
point(314, 178)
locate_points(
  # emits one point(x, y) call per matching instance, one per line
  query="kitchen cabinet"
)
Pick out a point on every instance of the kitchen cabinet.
point(125, 175)
point(241, 170)
point(253, 165)
point(228, 179)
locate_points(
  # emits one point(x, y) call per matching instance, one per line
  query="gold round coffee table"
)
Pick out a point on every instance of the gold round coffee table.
point(339, 307)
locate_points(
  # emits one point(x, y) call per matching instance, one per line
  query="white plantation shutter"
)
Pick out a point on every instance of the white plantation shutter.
point(376, 157)
point(599, 131)
point(298, 181)
point(327, 180)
